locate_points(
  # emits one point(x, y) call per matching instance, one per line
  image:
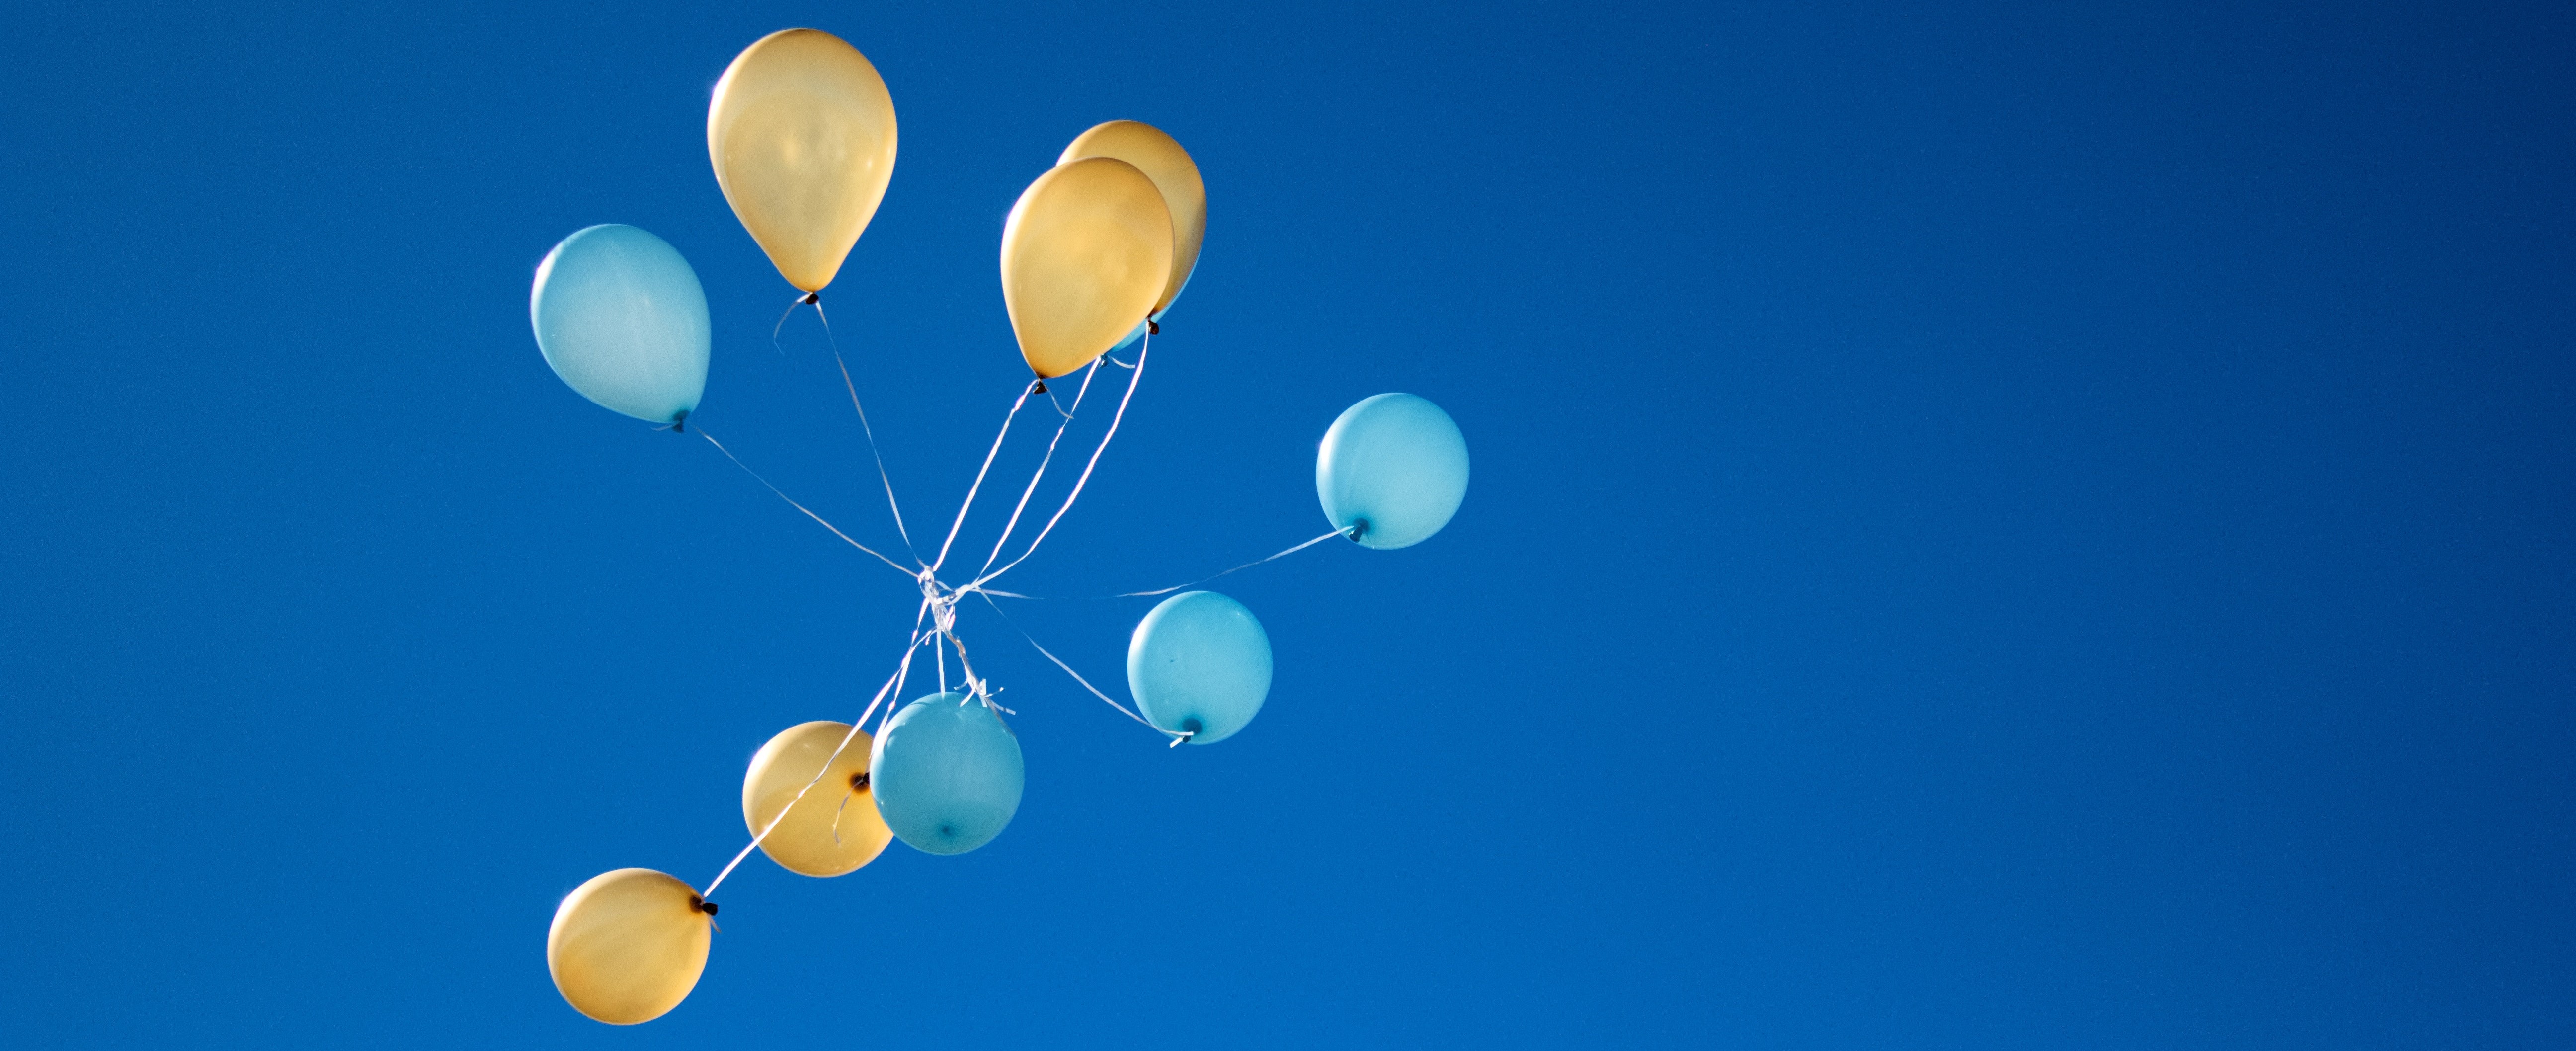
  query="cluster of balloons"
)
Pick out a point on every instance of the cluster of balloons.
point(801, 133)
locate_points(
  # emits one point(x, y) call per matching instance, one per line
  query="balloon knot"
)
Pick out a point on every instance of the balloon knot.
point(680, 423)
point(1152, 327)
point(859, 781)
point(1357, 530)
point(698, 904)
point(1038, 388)
point(811, 299)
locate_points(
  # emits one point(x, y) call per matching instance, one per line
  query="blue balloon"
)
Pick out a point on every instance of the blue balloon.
point(946, 774)
point(1394, 467)
point(621, 318)
point(1199, 664)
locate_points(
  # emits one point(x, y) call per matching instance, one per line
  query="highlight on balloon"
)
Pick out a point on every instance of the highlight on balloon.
point(801, 136)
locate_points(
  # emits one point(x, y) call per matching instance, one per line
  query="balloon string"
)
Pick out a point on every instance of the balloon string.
point(979, 477)
point(791, 502)
point(1077, 676)
point(1163, 591)
point(1237, 569)
point(902, 672)
point(843, 808)
point(1032, 487)
point(1132, 378)
point(944, 621)
point(781, 326)
point(1160, 591)
point(892, 682)
point(866, 429)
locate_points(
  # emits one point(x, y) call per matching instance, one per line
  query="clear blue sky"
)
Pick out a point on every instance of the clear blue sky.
point(1997, 527)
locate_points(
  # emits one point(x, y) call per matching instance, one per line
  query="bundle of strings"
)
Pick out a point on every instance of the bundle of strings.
point(935, 620)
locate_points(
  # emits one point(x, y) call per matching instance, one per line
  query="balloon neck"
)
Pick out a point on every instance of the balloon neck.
point(859, 781)
point(680, 423)
point(810, 299)
point(1357, 530)
point(698, 904)
point(1038, 387)
point(1153, 327)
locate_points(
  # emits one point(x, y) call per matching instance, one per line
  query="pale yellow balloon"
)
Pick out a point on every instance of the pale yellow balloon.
point(1085, 253)
point(802, 134)
point(835, 828)
point(628, 945)
point(1163, 160)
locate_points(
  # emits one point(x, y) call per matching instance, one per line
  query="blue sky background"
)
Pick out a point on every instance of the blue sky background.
point(2002, 526)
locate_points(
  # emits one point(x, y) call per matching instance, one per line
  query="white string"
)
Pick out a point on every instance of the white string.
point(1160, 591)
point(791, 502)
point(1032, 487)
point(1237, 569)
point(902, 675)
point(781, 326)
point(979, 478)
point(1132, 379)
point(866, 429)
point(892, 682)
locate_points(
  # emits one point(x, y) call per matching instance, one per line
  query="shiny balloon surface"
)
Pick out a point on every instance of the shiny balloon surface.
point(621, 318)
point(628, 946)
point(1084, 256)
point(1163, 160)
point(801, 131)
point(834, 829)
point(947, 774)
point(1394, 468)
point(1199, 664)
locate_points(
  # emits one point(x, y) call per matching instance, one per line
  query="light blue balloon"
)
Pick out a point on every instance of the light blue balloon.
point(621, 318)
point(1199, 664)
point(946, 773)
point(1395, 467)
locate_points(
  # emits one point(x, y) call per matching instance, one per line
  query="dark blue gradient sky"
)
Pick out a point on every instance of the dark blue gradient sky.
point(1999, 527)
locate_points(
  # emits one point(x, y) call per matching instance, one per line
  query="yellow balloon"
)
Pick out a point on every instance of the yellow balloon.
point(801, 131)
point(1087, 250)
point(1163, 160)
point(835, 828)
point(628, 945)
